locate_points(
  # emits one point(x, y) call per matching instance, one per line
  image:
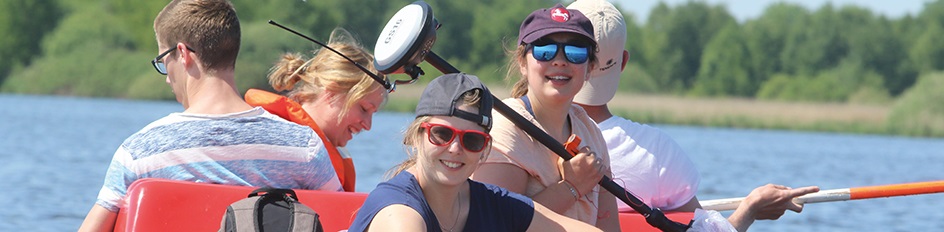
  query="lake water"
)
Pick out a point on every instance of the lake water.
point(55, 151)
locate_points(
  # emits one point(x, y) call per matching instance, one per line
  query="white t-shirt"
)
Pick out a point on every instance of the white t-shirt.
point(649, 164)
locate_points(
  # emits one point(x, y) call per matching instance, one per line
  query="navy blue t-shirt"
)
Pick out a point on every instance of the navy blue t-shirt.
point(492, 208)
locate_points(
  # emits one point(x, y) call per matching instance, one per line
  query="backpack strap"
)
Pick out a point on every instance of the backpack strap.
point(266, 204)
point(270, 209)
point(287, 194)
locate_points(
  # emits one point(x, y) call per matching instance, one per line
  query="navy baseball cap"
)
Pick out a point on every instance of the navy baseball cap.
point(443, 94)
point(547, 21)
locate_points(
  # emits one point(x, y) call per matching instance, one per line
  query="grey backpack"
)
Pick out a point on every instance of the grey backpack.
point(271, 210)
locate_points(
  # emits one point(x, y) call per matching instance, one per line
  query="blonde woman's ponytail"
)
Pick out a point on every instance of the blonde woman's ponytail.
point(288, 71)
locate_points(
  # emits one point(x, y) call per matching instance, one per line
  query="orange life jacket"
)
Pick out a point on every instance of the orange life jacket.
point(292, 111)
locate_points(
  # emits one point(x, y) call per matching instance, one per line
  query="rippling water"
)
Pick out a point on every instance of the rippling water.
point(56, 151)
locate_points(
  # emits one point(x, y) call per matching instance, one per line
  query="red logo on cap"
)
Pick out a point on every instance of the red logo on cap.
point(560, 14)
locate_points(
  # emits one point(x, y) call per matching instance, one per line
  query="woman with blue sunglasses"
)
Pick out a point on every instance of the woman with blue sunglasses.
point(431, 191)
point(555, 54)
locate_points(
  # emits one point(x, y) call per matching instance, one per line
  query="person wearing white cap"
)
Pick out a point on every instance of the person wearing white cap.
point(643, 159)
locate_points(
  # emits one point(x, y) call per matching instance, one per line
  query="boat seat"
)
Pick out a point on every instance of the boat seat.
point(170, 205)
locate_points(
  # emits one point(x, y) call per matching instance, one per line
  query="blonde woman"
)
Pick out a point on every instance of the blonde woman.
point(327, 93)
point(432, 191)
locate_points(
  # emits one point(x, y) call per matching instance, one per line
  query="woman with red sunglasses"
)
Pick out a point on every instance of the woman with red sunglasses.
point(431, 191)
point(554, 56)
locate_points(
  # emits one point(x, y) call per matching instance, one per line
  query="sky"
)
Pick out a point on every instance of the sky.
point(750, 9)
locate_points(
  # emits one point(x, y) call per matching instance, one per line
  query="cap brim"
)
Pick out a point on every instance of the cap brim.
point(600, 89)
point(530, 38)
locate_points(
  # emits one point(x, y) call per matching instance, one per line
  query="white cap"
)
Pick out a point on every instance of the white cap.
point(609, 28)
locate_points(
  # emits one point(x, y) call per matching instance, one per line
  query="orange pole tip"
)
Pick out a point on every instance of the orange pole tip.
point(896, 190)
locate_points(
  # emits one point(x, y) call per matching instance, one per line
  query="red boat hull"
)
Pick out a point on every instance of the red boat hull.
point(166, 205)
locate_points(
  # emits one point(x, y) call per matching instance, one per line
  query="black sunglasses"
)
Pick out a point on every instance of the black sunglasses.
point(158, 61)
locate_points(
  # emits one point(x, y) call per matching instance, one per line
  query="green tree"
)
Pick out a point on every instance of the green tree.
point(135, 17)
point(655, 53)
point(818, 46)
point(635, 77)
point(23, 25)
point(919, 111)
point(873, 42)
point(782, 87)
point(725, 66)
point(677, 37)
point(488, 37)
point(933, 12)
point(634, 37)
point(766, 37)
point(87, 55)
point(927, 53)
point(87, 25)
point(834, 85)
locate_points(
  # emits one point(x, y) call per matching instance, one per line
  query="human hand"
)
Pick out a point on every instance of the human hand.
point(583, 171)
point(770, 201)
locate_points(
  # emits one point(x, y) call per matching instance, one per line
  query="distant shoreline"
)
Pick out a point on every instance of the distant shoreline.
point(727, 112)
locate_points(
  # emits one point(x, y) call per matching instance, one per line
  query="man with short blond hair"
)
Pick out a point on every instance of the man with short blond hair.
point(211, 25)
point(219, 138)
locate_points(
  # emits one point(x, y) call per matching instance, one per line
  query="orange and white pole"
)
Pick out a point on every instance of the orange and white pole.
point(845, 194)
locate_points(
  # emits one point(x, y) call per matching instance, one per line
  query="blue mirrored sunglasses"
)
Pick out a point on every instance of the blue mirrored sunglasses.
point(576, 54)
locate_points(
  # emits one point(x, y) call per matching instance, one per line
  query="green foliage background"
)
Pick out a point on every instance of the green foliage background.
point(102, 48)
point(920, 112)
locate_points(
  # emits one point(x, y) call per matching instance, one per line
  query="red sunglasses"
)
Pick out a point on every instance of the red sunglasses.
point(442, 135)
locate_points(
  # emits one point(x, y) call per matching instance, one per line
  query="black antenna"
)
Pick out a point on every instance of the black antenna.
point(386, 84)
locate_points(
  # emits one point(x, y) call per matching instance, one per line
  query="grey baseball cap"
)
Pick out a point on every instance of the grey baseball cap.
point(441, 98)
